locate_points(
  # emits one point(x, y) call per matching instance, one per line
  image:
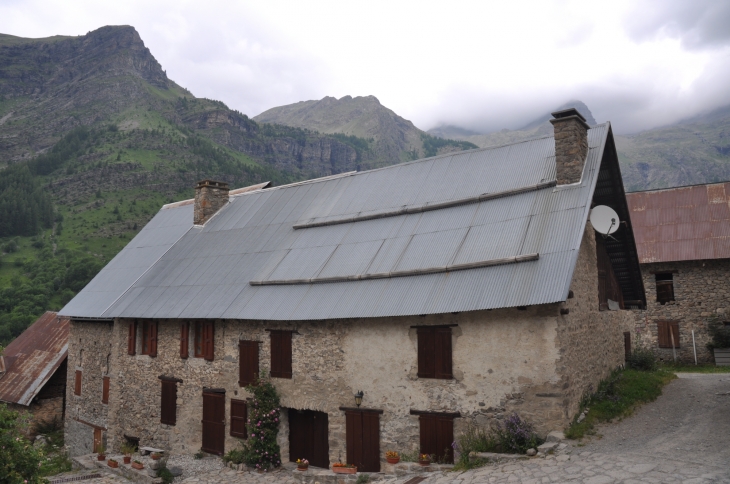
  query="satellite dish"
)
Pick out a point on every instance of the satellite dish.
point(604, 220)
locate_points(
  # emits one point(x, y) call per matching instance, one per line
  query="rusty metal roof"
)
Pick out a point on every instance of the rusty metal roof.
point(33, 357)
point(685, 223)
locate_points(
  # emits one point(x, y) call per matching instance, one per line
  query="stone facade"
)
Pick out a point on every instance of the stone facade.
point(571, 146)
point(210, 196)
point(534, 361)
point(700, 291)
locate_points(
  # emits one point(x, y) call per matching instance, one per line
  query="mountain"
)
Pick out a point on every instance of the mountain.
point(393, 137)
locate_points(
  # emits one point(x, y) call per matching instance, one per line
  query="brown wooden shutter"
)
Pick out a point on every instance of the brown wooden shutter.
point(77, 383)
point(248, 362)
point(674, 328)
point(286, 359)
point(662, 334)
point(105, 389)
point(627, 345)
point(442, 347)
point(153, 338)
point(275, 340)
point(239, 415)
point(132, 338)
point(426, 353)
point(184, 335)
point(168, 402)
point(208, 340)
point(281, 354)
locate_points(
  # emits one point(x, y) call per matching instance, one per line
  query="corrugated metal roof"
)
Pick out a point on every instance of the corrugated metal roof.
point(34, 357)
point(206, 273)
point(685, 223)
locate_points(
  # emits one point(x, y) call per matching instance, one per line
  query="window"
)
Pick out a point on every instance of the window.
point(664, 287)
point(248, 362)
point(132, 338)
point(434, 352)
point(280, 354)
point(204, 340)
point(105, 389)
point(77, 383)
point(168, 401)
point(149, 338)
point(437, 435)
point(239, 415)
point(668, 332)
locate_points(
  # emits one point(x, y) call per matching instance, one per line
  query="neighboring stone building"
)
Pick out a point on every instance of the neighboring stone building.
point(33, 370)
point(450, 290)
point(683, 239)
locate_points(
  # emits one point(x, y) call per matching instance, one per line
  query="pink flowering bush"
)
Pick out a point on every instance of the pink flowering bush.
point(19, 461)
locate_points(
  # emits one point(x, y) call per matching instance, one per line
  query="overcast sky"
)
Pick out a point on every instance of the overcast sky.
point(481, 65)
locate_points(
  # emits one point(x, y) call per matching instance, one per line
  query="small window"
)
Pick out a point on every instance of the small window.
point(105, 390)
point(149, 338)
point(238, 418)
point(168, 402)
point(668, 333)
point(204, 340)
point(664, 287)
point(281, 357)
point(77, 383)
point(434, 352)
point(248, 362)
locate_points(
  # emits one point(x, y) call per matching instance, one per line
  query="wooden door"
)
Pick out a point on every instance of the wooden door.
point(437, 435)
point(214, 422)
point(97, 440)
point(309, 437)
point(363, 440)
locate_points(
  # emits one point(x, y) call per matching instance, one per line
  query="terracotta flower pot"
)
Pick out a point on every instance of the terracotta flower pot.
point(127, 459)
point(302, 468)
point(101, 457)
point(155, 456)
point(137, 466)
point(392, 460)
point(113, 464)
point(344, 470)
point(424, 463)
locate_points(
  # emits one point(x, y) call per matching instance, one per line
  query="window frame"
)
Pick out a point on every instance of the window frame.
point(664, 280)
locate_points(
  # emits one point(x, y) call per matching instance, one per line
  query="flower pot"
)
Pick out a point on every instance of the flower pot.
point(344, 470)
point(722, 356)
point(302, 468)
point(392, 460)
point(155, 456)
point(101, 457)
point(138, 466)
point(424, 463)
point(127, 459)
point(113, 464)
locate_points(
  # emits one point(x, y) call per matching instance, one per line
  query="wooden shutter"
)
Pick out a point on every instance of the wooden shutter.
point(239, 415)
point(627, 345)
point(281, 354)
point(168, 402)
point(248, 362)
point(132, 338)
point(184, 335)
point(77, 383)
point(426, 353)
point(105, 389)
point(442, 350)
point(665, 337)
point(152, 338)
point(208, 340)
point(664, 291)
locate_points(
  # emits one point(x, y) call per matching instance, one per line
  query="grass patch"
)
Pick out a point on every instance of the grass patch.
point(617, 397)
point(689, 368)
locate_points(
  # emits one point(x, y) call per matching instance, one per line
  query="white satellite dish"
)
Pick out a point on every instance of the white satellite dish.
point(604, 220)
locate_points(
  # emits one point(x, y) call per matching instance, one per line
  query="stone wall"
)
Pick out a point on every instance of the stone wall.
point(700, 290)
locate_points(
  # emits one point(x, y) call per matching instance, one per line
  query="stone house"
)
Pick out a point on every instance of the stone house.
point(449, 290)
point(683, 240)
point(33, 371)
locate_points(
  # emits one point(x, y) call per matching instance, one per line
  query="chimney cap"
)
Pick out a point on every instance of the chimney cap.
point(212, 183)
point(564, 113)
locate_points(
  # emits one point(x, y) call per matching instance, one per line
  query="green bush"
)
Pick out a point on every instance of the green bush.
point(642, 359)
point(19, 461)
point(719, 334)
point(261, 451)
point(165, 474)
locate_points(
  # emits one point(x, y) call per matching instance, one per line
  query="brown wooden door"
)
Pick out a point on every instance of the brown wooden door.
point(214, 422)
point(309, 437)
point(437, 435)
point(97, 440)
point(363, 440)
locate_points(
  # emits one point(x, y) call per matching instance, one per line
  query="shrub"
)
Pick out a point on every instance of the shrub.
point(642, 359)
point(165, 474)
point(516, 436)
point(261, 450)
point(719, 334)
point(19, 461)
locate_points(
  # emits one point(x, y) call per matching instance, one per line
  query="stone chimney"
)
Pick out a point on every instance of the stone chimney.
point(571, 145)
point(210, 196)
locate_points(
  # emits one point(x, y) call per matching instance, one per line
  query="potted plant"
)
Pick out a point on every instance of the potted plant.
point(392, 457)
point(424, 459)
point(302, 464)
point(156, 456)
point(137, 465)
point(100, 453)
point(128, 449)
point(720, 341)
point(343, 468)
point(112, 463)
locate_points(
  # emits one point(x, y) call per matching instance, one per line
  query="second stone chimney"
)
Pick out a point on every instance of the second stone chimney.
point(210, 196)
point(571, 145)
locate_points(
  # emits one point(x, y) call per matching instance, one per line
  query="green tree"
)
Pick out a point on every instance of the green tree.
point(19, 462)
